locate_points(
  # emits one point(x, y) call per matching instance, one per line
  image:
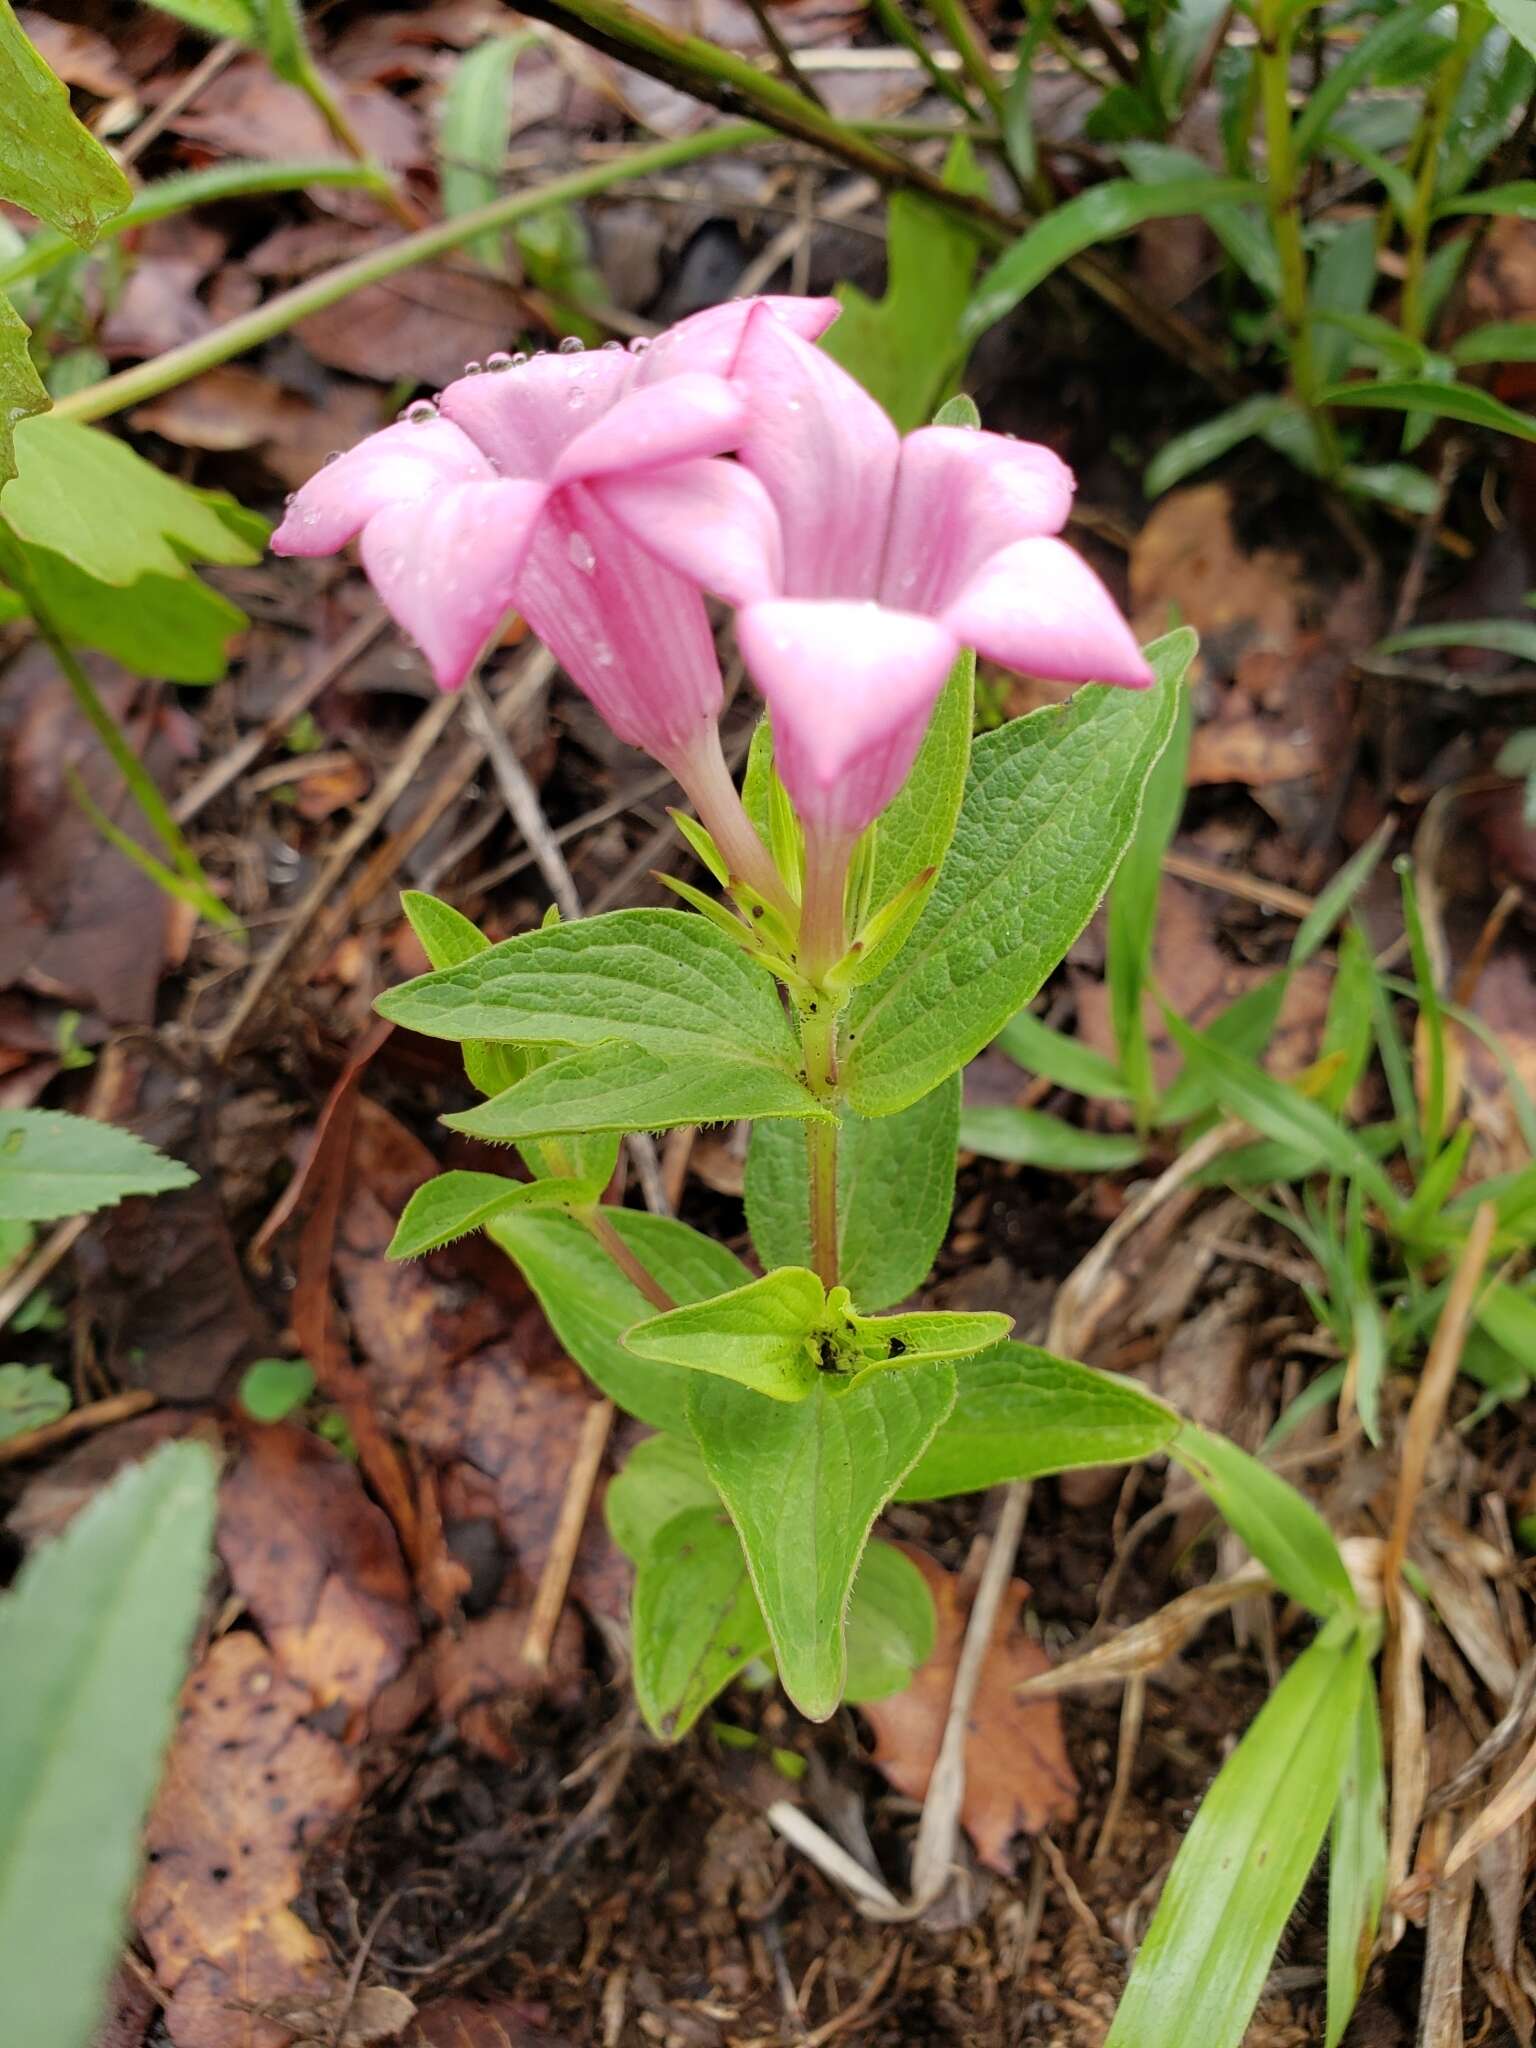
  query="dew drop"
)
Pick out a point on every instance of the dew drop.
point(498, 359)
point(582, 553)
point(289, 499)
point(792, 404)
point(473, 369)
point(575, 398)
point(571, 345)
point(610, 346)
point(418, 414)
point(602, 654)
point(640, 344)
point(334, 456)
point(519, 359)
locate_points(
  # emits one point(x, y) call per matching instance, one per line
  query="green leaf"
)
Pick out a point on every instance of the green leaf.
point(1242, 232)
point(905, 348)
point(895, 1193)
point(1282, 1528)
point(88, 497)
point(661, 1476)
point(49, 163)
point(240, 19)
point(696, 1620)
point(93, 1641)
point(1446, 401)
point(1236, 1879)
point(30, 1397)
point(1343, 278)
point(21, 389)
point(1192, 450)
point(786, 1336)
point(1030, 1137)
point(915, 830)
point(590, 1304)
point(1399, 26)
point(1393, 483)
point(1515, 637)
point(1066, 1061)
point(273, 1388)
point(1519, 17)
point(613, 1087)
point(1097, 215)
point(1357, 1865)
point(53, 1164)
point(1131, 918)
point(1499, 341)
point(454, 1204)
point(473, 130)
point(448, 939)
point(1021, 1413)
point(891, 1625)
point(803, 1482)
point(1050, 806)
point(1518, 199)
point(172, 627)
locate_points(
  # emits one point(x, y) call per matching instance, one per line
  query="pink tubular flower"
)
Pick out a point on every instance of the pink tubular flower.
point(861, 564)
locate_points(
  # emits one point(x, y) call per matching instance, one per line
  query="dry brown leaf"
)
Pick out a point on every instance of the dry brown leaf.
point(76, 53)
point(317, 1564)
point(466, 2023)
point(249, 112)
point(1187, 556)
point(1018, 1778)
point(247, 1789)
point(227, 408)
point(346, 2021)
point(424, 325)
point(53, 1497)
point(484, 1682)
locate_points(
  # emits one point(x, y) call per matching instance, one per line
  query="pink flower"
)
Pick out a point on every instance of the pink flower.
point(488, 501)
point(862, 562)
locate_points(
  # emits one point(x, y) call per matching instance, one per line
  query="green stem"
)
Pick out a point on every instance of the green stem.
point(1276, 30)
point(960, 32)
point(336, 118)
point(823, 937)
point(896, 24)
point(818, 1043)
point(176, 365)
point(1428, 144)
point(634, 1270)
point(706, 781)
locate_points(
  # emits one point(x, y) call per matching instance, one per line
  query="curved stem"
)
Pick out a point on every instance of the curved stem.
point(634, 1270)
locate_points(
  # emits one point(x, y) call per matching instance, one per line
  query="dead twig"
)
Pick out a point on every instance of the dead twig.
point(82, 1422)
point(549, 1598)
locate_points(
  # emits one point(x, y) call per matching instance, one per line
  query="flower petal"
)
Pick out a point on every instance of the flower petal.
point(631, 634)
point(851, 688)
point(680, 420)
point(709, 340)
point(401, 462)
point(446, 565)
point(711, 521)
point(1037, 607)
point(827, 455)
point(524, 416)
point(961, 495)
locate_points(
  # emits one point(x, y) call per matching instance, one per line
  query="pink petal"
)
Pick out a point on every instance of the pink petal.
point(850, 688)
point(711, 521)
point(402, 462)
point(446, 566)
point(524, 416)
point(685, 417)
point(962, 495)
point(827, 454)
point(709, 340)
point(1037, 607)
point(631, 634)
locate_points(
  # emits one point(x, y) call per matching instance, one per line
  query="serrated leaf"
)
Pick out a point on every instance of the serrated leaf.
point(53, 1164)
point(448, 938)
point(30, 1397)
point(891, 1625)
point(93, 1641)
point(803, 1482)
point(590, 1304)
point(1051, 803)
point(1357, 1866)
point(696, 1619)
point(1097, 215)
point(1282, 1528)
point(895, 1193)
point(661, 1477)
point(49, 163)
point(613, 1087)
point(454, 1204)
point(87, 496)
point(1021, 1413)
point(1236, 1879)
point(1032, 1137)
point(21, 389)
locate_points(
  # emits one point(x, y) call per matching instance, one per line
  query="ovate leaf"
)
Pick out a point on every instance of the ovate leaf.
point(891, 1625)
point(764, 1335)
point(895, 1192)
point(1235, 1881)
point(590, 1303)
point(696, 1619)
point(1050, 806)
point(53, 1164)
point(1021, 1413)
point(49, 163)
point(93, 1642)
point(661, 1476)
point(803, 1482)
point(454, 1204)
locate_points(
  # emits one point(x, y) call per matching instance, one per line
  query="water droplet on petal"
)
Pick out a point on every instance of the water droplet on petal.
point(602, 654)
point(571, 345)
point(289, 499)
point(792, 404)
point(582, 553)
point(610, 346)
point(334, 456)
point(418, 414)
point(498, 359)
point(640, 344)
point(473, 369)
point(575, 399)
point(519, 359)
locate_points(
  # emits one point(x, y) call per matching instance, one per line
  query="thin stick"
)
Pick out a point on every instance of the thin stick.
point(549, 1599)
point(1131, 1709)
point(832, 1858)
point(218, 59)
point(97, 1415)
point(27, 1278)
point(521, 798)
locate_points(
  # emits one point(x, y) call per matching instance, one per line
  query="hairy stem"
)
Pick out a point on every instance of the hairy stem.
point(634, 1270)
point(1427, 146)
point(818, 1042)
point(177, 365)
